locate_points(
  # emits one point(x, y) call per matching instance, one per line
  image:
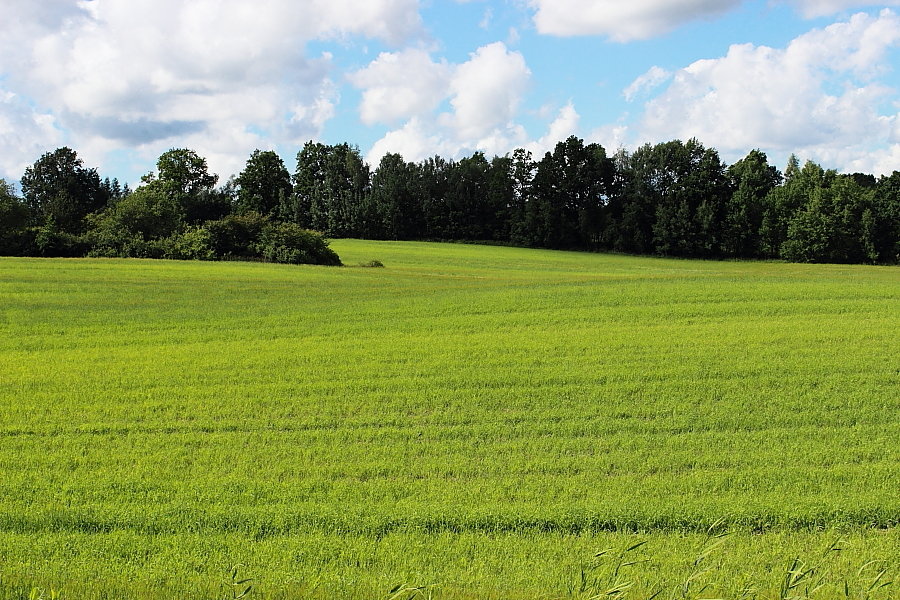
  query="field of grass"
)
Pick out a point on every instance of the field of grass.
point(480, 422)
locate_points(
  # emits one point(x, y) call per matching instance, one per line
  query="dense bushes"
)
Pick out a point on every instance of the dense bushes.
point(177, 214)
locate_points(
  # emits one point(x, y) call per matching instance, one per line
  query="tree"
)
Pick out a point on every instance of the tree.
point(392, 210)
point(751, 178)
point(692, 193)
point(130, 227)
point(783, 203)
point(434, 188)
point(13, 221)
point(570, 189)
point(184, 172)
point(330, 184)
point(886, 218)
point(183, 176)
point(468, 216)
point(630, 211)
point(522, 170)
point(264, 184)
point(59, 192)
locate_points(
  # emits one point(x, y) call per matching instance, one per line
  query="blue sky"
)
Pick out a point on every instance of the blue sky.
point(121, 81)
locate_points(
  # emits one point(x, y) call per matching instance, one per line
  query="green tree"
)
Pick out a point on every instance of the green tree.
point(783, 203)
point(184, 177)
point(434, 178)
point(692, 192)
point(522, 170)
point(264, 185)
point(14, 219)
point(570, 189)
point(751, 178)
point(60, 192)
point(131, 227)
point(885, 218)
point(468, 215)
point(393, 208)
point(330, 185)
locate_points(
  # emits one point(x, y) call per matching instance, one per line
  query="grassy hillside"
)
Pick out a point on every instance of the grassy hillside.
point(485, 419)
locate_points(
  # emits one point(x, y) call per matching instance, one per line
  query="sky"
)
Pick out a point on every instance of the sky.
point(122, 81)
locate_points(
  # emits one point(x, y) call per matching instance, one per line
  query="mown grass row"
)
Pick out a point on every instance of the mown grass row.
point(539, 406)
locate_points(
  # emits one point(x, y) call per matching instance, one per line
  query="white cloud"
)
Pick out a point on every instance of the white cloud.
point(819, 96)
point(154, 73)
point(25, 134)
point(647, 82)
point(564, 125)
point(644, 19)
point(822, 8)
point(622, 21)
point(487, 90)
point(401, 85)
point(484, 95)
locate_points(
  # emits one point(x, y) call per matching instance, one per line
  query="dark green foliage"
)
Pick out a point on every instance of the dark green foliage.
point(235, 236)
point(14, 219)
point(263, 185)
point(330, 185)
point(392, 210)
point(49, 239)
point(885, 226)
point(290, 243)
point(469, 216)
point(434, 174)
point(184, 178)
point(58, 188)
point(130, 227)
point(572, 185)
point(673, 198)
point(835, 225)
point(751, 179)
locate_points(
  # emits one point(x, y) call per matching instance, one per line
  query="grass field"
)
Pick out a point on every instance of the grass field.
point(479, 422)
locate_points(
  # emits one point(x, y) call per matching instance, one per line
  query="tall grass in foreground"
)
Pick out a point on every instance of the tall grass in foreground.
point(465, 422)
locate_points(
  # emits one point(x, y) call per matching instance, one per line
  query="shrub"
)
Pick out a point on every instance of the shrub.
point(236, 235)
point(290, 243)
point(192, 244)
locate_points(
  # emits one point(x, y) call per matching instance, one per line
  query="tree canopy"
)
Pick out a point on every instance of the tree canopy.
point(674, 198)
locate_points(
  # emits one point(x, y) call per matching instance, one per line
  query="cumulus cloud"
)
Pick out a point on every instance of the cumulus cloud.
point(819, 96)
point(644, 19)
point(487, 90)
point(401, 85)
point(622, 21)
point(650, 80)
point(564, 125)
point(484, 96)
point(25, 134)
point(823, 8)
point(151, 73)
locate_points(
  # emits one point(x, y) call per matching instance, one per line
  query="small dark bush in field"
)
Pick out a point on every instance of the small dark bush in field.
point(373, 264)
point(290, 243)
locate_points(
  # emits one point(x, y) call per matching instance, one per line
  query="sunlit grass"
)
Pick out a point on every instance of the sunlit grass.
point(483, 418)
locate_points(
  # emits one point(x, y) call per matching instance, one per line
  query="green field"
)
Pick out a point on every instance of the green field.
point(477, 421)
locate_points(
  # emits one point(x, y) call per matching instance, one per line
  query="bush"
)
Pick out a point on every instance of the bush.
point(49, 240)
point(373, 264)
point(192, 244)
point(236, 235)
point(290, 243)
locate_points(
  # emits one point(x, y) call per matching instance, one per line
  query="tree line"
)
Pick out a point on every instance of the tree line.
point(673, 199)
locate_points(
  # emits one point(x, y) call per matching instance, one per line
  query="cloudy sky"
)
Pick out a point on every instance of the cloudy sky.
point(121, 81)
